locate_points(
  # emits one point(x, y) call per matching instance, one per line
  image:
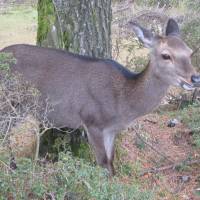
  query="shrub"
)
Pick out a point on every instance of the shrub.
point(69, 178)
point(191, 116)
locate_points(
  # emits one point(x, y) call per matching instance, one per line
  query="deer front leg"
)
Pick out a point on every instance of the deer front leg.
point(109, 139)
point(103, 147)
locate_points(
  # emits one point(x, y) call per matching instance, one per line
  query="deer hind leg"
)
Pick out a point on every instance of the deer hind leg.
point(102, 148)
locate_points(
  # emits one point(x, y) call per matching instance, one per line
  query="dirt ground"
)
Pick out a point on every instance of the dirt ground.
point(164, 146)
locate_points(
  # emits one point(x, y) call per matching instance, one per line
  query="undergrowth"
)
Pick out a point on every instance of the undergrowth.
point(191, 117)
point(68, 178)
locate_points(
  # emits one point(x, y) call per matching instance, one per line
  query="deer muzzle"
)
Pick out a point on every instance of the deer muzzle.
point(195, 80)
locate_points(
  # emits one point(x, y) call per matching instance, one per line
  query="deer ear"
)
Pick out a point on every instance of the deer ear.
point(145, 36)
point(172, 28)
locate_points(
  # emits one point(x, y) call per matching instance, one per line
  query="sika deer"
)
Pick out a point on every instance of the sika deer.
point(102, 95)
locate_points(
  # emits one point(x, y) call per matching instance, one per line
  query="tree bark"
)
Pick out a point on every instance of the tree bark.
point(79, 26)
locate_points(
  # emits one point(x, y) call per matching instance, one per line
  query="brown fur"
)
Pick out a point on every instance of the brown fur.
point(99, 94)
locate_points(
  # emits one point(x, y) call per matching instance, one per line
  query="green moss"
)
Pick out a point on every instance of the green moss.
point(46, 18)
point(67, 39)
point(68, 31)
point(94, 16)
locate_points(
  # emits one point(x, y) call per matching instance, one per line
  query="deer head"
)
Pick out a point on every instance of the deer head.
point(170, 56)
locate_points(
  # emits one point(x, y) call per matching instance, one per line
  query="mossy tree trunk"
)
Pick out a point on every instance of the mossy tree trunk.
point(80, 26)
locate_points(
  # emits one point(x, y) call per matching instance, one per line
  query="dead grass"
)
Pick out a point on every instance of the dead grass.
point(18, 25)
point(23, 138)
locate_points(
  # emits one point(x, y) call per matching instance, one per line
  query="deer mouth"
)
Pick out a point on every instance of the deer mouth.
point(187, 86)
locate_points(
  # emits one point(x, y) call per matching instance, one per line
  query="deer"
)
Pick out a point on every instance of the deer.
point(102, 95)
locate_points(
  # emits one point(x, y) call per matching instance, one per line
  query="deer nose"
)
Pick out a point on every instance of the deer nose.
point(195, 78)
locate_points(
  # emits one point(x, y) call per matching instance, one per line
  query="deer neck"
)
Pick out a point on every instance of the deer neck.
point(145, 92)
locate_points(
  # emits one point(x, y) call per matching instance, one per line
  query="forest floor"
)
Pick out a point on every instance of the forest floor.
point(161, 145)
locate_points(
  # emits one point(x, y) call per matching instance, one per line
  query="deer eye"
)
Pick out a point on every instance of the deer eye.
point(166, 56)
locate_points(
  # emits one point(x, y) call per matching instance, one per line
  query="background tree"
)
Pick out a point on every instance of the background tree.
point(80, 26)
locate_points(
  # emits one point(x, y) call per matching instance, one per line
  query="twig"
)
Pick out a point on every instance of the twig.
point(10, 104)
point(197, 49)
point(172, 166)
point(153, 148)
point(7, 166)
point(150, 121)
point(6, 134)
point(37, 145)
point(51, 195)
point(194, 95)
point(38, 135)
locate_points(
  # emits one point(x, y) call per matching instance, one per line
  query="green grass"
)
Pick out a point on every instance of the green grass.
point(18, 25)
point(69, 177)
point(191, 117)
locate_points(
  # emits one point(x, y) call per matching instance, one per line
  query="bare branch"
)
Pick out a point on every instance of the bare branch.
point(168, 167)
point(153, 148)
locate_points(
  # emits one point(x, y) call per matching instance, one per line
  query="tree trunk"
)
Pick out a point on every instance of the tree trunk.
point(79, 26)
